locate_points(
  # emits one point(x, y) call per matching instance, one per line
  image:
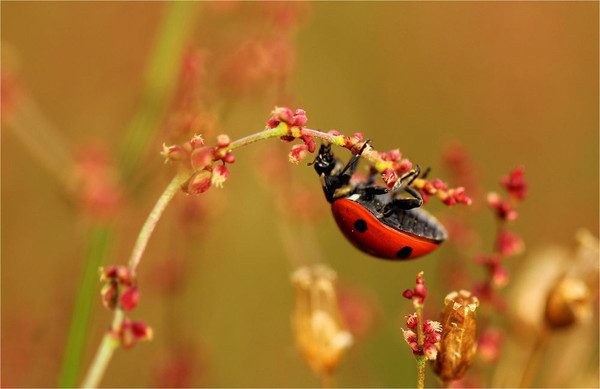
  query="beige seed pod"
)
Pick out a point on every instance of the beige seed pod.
point(456, 349)
point(321, 337)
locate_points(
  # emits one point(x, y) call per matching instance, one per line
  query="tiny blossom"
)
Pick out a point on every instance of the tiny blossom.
point(202, 157)
point(503, 209)
point(110, 294)
point(515, 184)
point(199, 183)
point(173, 153)
point(419, 293)
point(298, 153)
point(489, 344)
point(411, 321)
point(229, 158)
point(219, 175)
point(389, 177)
point(508, 243)
point(129, 298)
point(132, 331)
point(223, 140)
point(431, 326)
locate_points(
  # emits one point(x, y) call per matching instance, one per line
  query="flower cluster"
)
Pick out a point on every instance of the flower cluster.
point(432, 335)
point(507, 243)
point(427, 335)
point(390, 165)
point(418, 293)
point(201, 159)
point(120, 291)
point(132, 331)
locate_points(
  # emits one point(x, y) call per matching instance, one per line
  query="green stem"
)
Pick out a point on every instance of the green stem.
point(99, 239)
point(155, 214)
point(110, 342)
point(159, 83)
point(421, 365)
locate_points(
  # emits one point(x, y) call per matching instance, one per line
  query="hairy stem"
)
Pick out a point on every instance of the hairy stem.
point(109, 344)
point(421, 365)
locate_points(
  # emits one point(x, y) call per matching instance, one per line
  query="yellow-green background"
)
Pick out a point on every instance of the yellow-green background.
point(516, 83)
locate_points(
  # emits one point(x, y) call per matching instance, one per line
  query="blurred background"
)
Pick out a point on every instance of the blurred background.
point(91, 90)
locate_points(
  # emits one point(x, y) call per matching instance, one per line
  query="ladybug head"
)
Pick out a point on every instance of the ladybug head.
point(325, 161)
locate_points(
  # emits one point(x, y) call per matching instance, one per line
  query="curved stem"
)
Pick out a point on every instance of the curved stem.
point(157, 211)
point(109, 344)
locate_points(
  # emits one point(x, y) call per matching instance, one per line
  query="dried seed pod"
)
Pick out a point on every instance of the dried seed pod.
point(321, 337)
point(569, 302)
point(456, 350)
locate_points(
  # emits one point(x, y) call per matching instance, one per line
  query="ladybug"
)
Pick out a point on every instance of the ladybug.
point(374, 218)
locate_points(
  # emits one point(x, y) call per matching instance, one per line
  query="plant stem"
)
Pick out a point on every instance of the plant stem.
point(99, 240)
point(421, 365)
point(421, 359)
point(155, 214)
point(109, 344)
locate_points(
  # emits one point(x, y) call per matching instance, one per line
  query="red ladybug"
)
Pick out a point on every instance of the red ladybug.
point(373, 218)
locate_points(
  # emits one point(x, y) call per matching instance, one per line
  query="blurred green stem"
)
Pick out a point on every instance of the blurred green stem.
point(421, 359)
point(99, 240)
point(159, 82)
point(110, 342)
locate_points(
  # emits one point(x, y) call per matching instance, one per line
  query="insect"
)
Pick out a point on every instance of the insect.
point(376, 219)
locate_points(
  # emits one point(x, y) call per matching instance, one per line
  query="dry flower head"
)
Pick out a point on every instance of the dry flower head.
point(321, 337)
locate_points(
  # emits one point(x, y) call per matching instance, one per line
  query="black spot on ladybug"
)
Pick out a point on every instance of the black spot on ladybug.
point(360, 225)
point(404, 252)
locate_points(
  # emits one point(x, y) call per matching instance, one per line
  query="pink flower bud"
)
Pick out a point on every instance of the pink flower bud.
point(229, 158)
point(389, 177)
point(404, 166)
point(220, 175)
point(283, 114)
point(196, 141)
point(515, 184)
point(300, 118)
point(109, 295)
point(355, 138)
point(438, 184)
point(431, 326)
point(129, 298)
point(393, 155)
point(298, 153)
point(199, 183)
point(500, 276)
point(310, 143)
point(509, 243)
point(433, 338)
point(407, 294)
point(173, 153)
point(223, 140)
point(430, 351)
point(421, 291)
point(411, 321)
point(272, 123)
point(202, 157)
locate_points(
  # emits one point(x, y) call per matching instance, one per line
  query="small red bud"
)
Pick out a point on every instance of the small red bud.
point(129, 298)
point(411, 321)
point(408, 294)
point(272, 123)
point(421, 290)
point(202, 157)
point(109, 295)
point(298, 153)
point(283, 114)
point(389, 177)
point(219, 175)
point(355, 138)
point(223, 140)
point(311, 145)
point(173, 153)
point(196, 141)
point(229, 158)
point(199, 183)
point(433, 338)
point(300, 118)
point(430, 351)
point(393, 155)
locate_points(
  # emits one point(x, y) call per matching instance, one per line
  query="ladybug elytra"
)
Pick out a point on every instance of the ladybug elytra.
point(373, 218)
